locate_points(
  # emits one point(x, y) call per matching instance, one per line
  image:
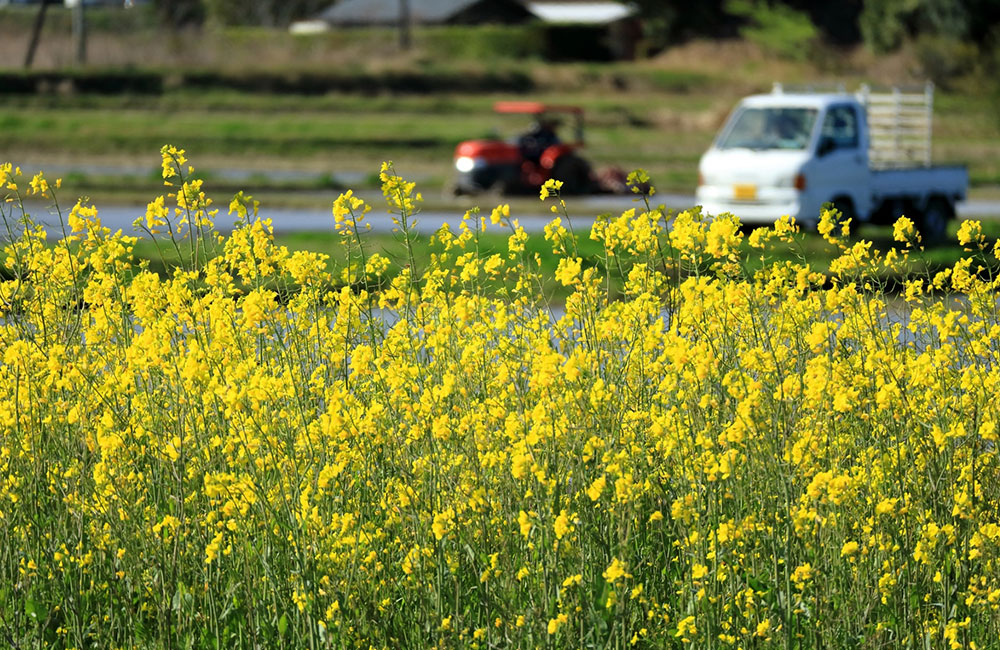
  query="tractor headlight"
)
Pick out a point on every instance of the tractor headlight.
point(467, 164)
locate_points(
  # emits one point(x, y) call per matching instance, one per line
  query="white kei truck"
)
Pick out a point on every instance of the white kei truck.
point(869, 154)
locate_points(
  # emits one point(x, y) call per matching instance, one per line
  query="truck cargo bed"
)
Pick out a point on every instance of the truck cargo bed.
point(949, 181)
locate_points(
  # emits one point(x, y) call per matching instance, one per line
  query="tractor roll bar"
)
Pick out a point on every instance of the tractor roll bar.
point(538, 108)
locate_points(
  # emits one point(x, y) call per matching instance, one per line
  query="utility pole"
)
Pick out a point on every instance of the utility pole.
point(36, 34)
point(80, 32)
point(404, 24)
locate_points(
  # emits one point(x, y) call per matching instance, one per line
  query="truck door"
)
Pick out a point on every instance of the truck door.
point(841, 163)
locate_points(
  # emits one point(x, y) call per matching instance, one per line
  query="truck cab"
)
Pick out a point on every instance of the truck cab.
point(790, 153)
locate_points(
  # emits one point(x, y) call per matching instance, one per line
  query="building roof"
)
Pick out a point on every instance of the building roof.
point(376, 12)
point(596, 12)
point(385, 12)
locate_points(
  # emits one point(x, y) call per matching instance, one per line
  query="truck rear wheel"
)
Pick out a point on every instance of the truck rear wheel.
point(933, 221)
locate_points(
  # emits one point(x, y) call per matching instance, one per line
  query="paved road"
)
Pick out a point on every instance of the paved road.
point(309, 220)
point(305, 220)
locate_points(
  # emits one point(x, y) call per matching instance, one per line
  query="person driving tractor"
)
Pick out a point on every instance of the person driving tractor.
point(540, 137)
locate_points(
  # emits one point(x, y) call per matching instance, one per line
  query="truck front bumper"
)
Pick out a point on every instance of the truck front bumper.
point(771, 204)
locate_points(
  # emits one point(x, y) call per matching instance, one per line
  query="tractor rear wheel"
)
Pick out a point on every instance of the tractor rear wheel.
point(574, 172)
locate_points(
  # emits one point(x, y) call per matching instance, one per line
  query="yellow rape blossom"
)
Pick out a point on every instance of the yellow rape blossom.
point(651, 456)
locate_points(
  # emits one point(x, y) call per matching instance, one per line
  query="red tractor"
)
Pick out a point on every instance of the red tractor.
point(522, 165)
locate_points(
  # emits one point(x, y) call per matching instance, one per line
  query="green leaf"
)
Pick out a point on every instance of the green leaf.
point(176, 601)
point(282, 624)
point(35, 610)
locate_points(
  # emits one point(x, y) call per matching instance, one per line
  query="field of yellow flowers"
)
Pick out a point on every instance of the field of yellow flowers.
point(258, 450)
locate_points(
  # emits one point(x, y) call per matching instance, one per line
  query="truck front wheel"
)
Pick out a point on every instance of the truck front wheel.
point(845, 207)
point(933, 221)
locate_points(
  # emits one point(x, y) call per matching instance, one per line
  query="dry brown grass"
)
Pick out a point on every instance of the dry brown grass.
point(738, 59)
point(206, 48)
point(726, 57)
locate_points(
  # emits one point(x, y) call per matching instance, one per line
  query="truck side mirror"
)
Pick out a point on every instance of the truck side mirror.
point(826, 145)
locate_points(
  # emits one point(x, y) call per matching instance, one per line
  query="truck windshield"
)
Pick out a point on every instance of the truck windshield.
point(769, 128)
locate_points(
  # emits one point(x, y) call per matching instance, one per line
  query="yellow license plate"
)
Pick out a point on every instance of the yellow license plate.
point(745, 192)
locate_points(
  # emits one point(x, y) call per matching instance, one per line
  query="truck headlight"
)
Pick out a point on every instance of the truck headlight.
point(467, 164)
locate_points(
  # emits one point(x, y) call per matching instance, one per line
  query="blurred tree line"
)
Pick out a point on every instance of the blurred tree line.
point(883, 25)
point(949, 37)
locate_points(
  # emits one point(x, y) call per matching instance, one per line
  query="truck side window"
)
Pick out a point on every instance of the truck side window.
point(841, 127)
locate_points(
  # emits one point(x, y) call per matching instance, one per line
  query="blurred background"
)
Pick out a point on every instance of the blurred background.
point(297, 99)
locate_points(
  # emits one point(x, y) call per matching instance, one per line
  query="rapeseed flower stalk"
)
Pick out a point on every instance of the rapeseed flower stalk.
point(258, 448)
